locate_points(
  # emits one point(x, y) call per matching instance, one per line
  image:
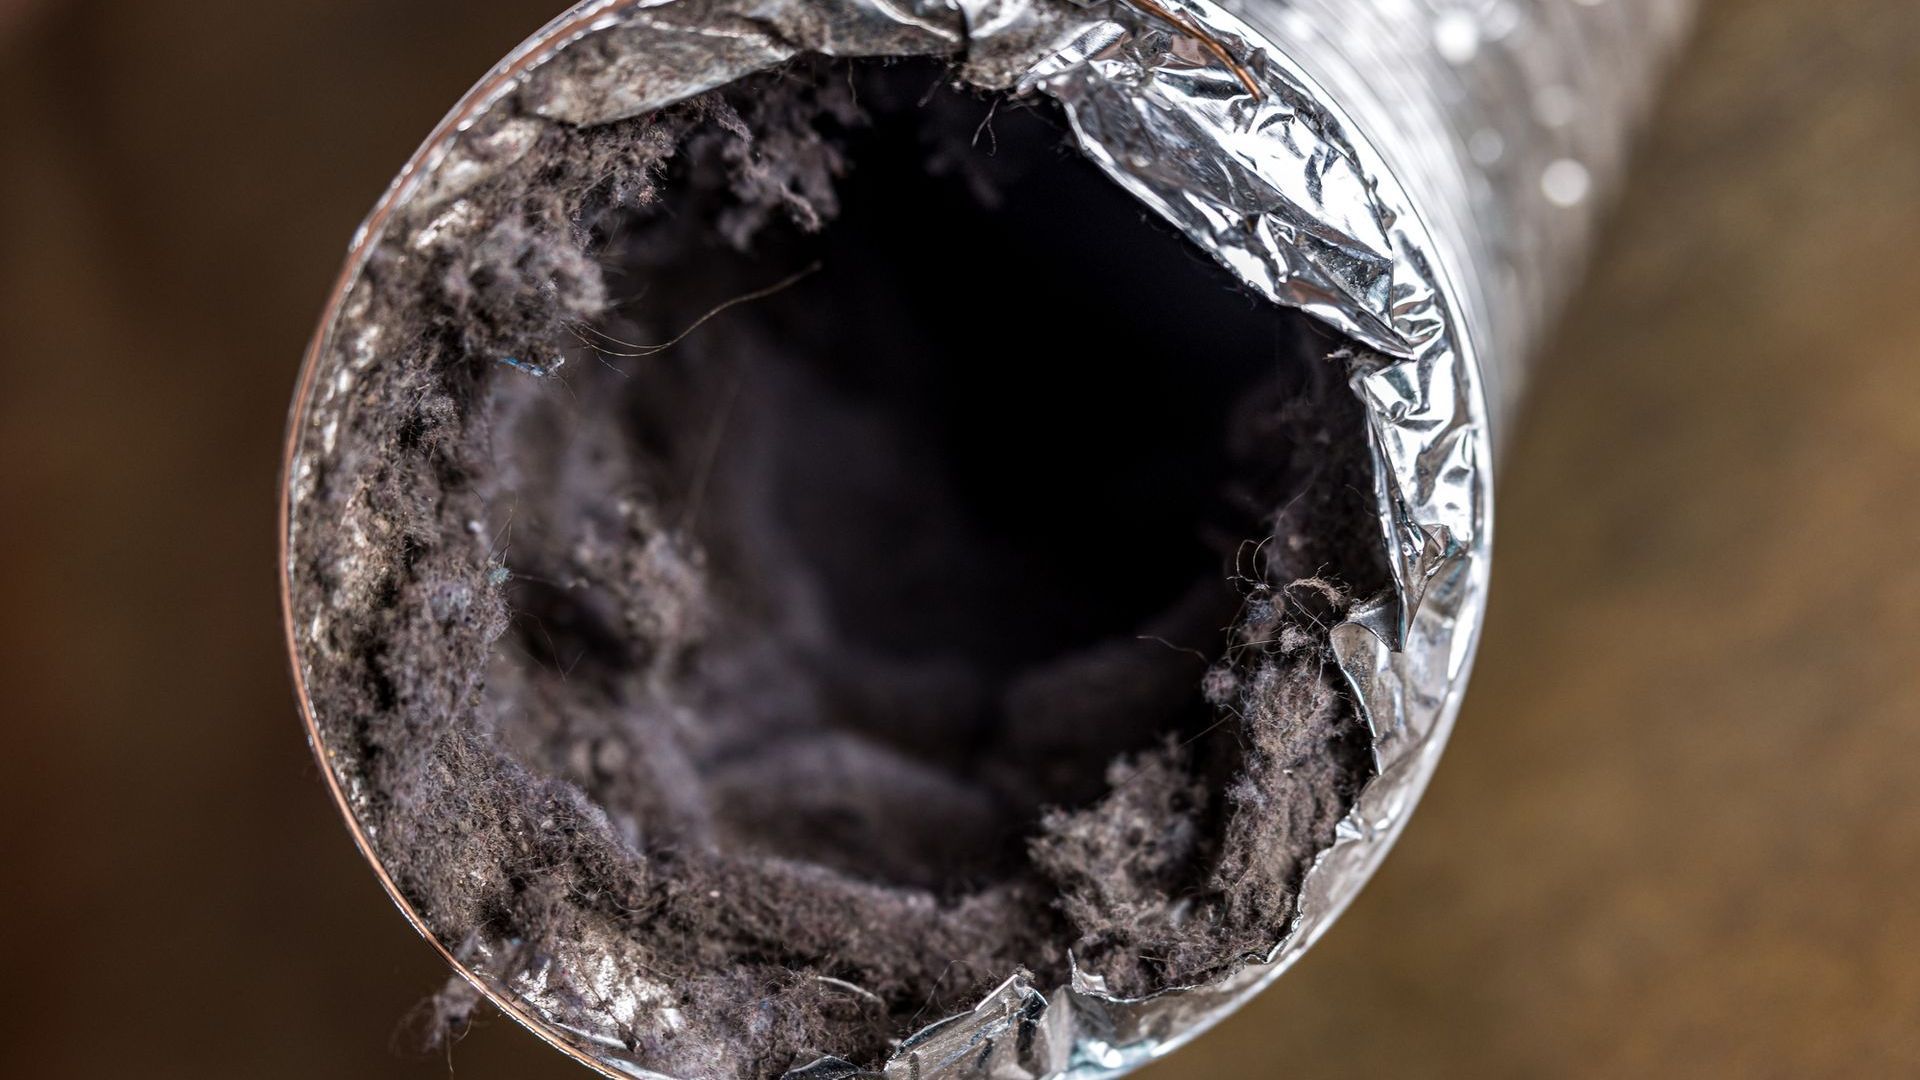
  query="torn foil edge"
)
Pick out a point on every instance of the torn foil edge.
point(1275, 180)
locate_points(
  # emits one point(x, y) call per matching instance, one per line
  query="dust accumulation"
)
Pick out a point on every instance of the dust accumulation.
point(799, 558)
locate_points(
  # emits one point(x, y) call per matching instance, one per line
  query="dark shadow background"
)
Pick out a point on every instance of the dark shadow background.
point(1678, 832)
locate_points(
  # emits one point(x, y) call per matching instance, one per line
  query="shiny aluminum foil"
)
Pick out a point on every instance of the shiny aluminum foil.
point(1421, 175)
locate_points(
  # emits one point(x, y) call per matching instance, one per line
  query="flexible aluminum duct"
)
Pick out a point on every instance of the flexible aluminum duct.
point(1420, 176)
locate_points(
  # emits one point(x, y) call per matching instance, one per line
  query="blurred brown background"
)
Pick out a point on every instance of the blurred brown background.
point(1678, 832)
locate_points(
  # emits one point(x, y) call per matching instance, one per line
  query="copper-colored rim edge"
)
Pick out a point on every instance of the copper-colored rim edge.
point(536, 50)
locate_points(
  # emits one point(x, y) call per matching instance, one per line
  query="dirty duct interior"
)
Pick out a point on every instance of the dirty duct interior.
point(800, 557)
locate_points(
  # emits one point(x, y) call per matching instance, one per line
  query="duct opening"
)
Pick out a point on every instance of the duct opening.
point(806, 556)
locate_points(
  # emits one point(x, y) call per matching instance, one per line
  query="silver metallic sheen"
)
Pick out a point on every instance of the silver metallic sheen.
point(1421, 175)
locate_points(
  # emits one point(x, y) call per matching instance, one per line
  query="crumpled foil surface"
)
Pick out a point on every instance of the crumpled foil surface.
point(1419, 174)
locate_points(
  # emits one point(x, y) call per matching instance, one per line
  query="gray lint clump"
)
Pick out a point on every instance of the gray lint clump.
point(952, 601)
